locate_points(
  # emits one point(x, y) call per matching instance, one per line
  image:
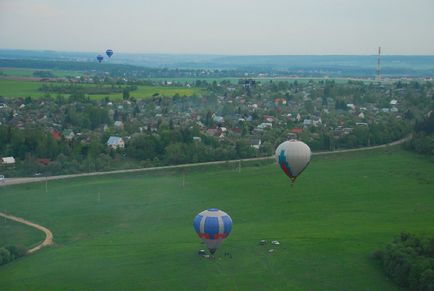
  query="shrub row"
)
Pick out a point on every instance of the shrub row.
point(10, 253)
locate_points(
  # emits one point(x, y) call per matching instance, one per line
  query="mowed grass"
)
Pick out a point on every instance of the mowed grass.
point(14, 233)
point(25, 88)
point(20, 88)
point(134, 232)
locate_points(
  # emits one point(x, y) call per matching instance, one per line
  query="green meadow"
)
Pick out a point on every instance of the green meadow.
point(12, 233)
point(20, 88)
point(28, 72)
point(134, 231)
point(25, 88)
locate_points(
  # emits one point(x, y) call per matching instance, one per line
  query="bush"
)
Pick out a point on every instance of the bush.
point(10, 253)
point(5, 256)
point(17, 251)
point(409, 261)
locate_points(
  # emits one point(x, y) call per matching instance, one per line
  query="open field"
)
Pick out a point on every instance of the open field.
point(17, 88)
point(12, 232)
point(28, 72)
point(135, 231)
point(24, 88)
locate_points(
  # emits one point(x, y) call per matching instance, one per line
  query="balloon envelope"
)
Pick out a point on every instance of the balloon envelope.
point(99, 58)
point(212, 226)
point(293, 156)
point(109, 52)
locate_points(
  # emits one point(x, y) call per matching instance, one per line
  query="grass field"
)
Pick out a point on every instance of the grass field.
point(17, 88)
point(28, 72)
point(134, 232)
point(12, 232)
point(24, 88)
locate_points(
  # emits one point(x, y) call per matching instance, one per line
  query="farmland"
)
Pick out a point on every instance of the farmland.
point(28, 72)
point(25, 88)
point(135, 231)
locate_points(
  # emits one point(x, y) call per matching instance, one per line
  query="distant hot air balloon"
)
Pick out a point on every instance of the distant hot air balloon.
point(293, 156)
point(109, 53)
point(212, 226)
point(99, 58)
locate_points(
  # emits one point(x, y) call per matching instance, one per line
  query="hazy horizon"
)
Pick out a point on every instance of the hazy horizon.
point(193, 27)
point(211, 54)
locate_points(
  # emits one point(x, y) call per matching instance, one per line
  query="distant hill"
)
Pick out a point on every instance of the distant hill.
point(309, 65)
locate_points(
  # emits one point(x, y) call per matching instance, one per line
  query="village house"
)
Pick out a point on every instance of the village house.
point(264, 125)
point(8, 160)
point(218, 119)
point(68, 134)
point(255, 143)
point(307, 122)
point(116, 142)
point(197, 138)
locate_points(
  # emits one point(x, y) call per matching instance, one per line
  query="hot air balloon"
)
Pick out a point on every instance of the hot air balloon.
point(99, 58)
point(109, 53)
point(293, 156)
point(212, 226)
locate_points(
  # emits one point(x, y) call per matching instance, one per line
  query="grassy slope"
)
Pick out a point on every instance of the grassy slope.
point(140, 235)
point(21, 88)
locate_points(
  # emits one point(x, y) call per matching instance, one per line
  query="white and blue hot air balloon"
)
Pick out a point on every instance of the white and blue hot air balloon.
point(212, 226)
point(293, 156)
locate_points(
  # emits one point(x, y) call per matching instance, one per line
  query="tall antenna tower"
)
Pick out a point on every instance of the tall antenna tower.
point(379, 64)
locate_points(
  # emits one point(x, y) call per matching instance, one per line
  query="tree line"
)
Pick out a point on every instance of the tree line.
point(37, 151)
point(423, 137)
point(409, 261)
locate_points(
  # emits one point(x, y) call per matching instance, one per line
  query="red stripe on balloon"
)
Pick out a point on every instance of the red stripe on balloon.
point(285, 169)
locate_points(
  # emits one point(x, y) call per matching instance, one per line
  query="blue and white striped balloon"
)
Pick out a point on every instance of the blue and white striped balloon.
point(212, 226)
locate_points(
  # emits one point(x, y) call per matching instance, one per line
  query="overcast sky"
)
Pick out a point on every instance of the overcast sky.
point(245, 27)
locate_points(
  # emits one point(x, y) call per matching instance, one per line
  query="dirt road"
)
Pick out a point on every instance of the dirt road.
point(14, 181)
point(48, 234)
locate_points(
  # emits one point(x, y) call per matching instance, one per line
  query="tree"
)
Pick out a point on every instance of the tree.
point(126, 94)
point(178, 153)
point(5, 256)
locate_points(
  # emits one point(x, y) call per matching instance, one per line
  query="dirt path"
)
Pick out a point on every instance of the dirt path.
point(48, 234)
point(14, 181)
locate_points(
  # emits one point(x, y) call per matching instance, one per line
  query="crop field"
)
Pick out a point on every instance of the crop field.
point(25, 88)
point(134, 231)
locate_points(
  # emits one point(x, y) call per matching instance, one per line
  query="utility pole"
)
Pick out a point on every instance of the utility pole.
point(183, 178)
